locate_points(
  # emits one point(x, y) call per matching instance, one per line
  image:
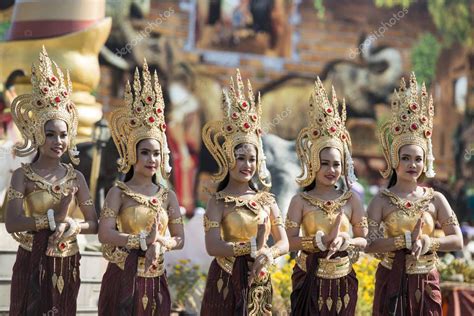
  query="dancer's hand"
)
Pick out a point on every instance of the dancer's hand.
point(416, 234)
point(329, 238)
point(335, 246)
point(258, 268)
point(151, 256)
point(61, 213)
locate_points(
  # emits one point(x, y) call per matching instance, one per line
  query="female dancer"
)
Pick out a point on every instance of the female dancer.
point(239, 217)
point(43, 196)
point(402, 217)
point(138, 211)
point(323, 280)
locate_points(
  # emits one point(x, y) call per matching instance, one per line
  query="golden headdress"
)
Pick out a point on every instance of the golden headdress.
point(49, 100)
point(141, 117)
point(326, 129)
point(411, 123)
point(241, 124)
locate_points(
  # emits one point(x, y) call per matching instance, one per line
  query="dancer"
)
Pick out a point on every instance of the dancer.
point(327, 211)
point(138, 211)
point(239, 217)
point(45, 197)
point(402, 217)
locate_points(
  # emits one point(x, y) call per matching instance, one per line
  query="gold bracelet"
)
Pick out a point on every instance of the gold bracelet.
point(107, 212)
point(87, 202)
point(210, 224)
point(178, 220)
point(291, 224)
point(13, 194)
point(399, 242)
point(307, 244)
point(41, 222)
point(434, 245)
point(241, 248)
point(133, 241)
point(277, 221)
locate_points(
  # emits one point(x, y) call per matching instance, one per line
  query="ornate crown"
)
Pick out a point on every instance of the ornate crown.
point(241, 124)
point(49, 100)
point(411, 123)
point(141, 117)
point(326, 129)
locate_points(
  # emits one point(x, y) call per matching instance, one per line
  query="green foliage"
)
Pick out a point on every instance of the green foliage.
point(4, 26)
point(319, 6)
point(184, 279)
point(454, 20)
point(393, 3)
point(424, 56)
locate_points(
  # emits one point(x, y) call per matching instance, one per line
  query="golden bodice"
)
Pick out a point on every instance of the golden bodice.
point(241, 224)
point(140, 216)
point(48, 195)
point(323, 217)
point(407, 213)
point(39, 202)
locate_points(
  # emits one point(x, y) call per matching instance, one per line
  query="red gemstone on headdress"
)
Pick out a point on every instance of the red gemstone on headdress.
point(158, 111)
point(262, 274)
point(254, 117)
point(408, 204)
point(316, 133)
point(38, 102)
point(139, 109)
point(65, 93)
point(235, 115)
point(57, 99)
point(163, 126)
point(329, 110)
point(320, 120)
point(397, 128)
point(149, 99)
point(62, 246)
point(45, 89)
point(332, 129)
point(343, 136)
point(414, 126)
point(229, 128)
point(337, 122)
point(259, 131)
point(133, 122)
point(53, 79)
point(244, 104)
point(404, 117)
point(154, 201)
point(413, 106)
point(246, 125)
point(253, 203)
point(428, 133)
point(423, 119)
point(423, 93)
point(151, 119)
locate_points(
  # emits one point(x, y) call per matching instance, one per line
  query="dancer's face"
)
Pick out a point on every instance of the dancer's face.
point(56, 139)
point(245, 163)
point(331, 166)
point(411, 162)
point(148, 157)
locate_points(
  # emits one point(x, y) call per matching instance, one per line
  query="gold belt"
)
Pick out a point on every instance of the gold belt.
point(153, 272)
point(422, 265)
point(63, 249)
point(226, 263)
point(334, 268)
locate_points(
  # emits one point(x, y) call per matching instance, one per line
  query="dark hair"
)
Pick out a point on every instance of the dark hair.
point(36, 157)
point(393, 179)
point(310, 186)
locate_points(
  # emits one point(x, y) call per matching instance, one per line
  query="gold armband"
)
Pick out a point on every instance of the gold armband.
point(210, 224)
point(241, 248)
point(133, 242)
point(307, 244)
point(178, 220)
point(107, 212)
point(41, 222)
point(363, 223)
point(13, 194)
point(277, 221)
